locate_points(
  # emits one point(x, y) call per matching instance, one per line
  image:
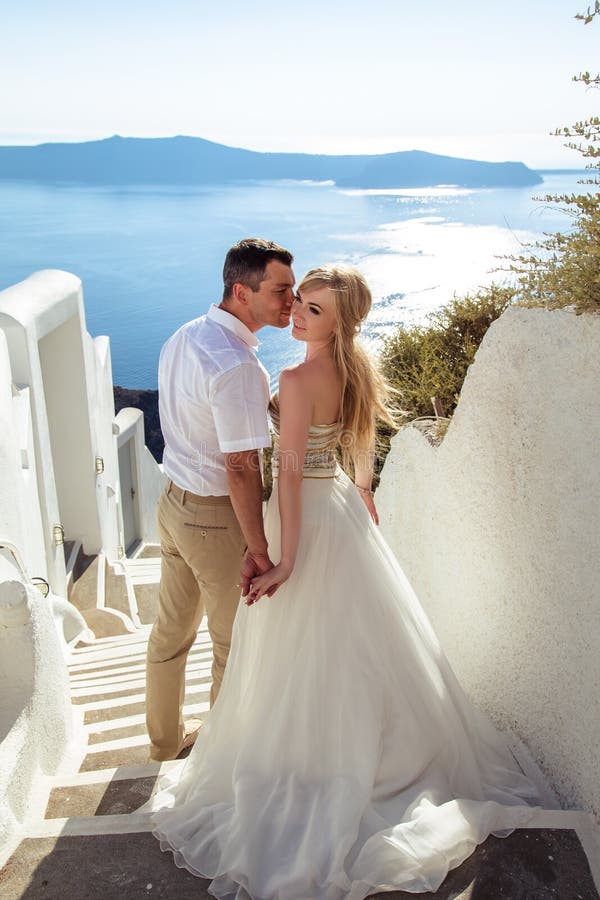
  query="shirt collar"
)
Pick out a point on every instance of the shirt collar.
point(229, 321)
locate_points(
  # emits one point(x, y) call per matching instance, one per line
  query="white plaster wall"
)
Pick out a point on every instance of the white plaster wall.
point(150, 476)
point(36, 723)
point(29, 311)
point(33, 548)
point(102, 413)
point(20, 518)
point(68, 410)
point(498, 530)
point(12, 524)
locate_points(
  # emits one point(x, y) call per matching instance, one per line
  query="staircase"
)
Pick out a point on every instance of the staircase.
point(117, 597)
point(87, 839)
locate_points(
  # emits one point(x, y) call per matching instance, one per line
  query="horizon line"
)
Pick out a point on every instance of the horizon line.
point(558, 166)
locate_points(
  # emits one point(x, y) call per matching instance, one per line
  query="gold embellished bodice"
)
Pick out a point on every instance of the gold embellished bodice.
point(319, 459)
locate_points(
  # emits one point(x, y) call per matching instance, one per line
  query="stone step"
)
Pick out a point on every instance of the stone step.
point(100, 799)
point(141, 569)
point(107, 680)
point(111, 757)
point(120, 772)
point(88, 697)
point(109, 654)
point(115, 735)
point(135, 657)
point(84, 588)
point(90, 858)
point(199, 661)
point(133, 706)
point(110, 791)
point(130, 706)
point(132, 587)
point(146, 598)
point(97, 867)
point(119, 594)
point(126, 745)
point(148, 551)
point(112, 642)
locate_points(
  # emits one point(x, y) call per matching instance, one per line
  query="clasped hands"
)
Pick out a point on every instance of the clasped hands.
point(259, 576)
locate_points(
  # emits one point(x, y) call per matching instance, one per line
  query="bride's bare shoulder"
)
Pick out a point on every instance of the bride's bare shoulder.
point(313, 382)
point(289, 371)
point(293, 375)
point(294, 385)
point(308, 375)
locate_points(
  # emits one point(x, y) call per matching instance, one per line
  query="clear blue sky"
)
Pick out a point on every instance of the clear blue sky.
point(477, 79)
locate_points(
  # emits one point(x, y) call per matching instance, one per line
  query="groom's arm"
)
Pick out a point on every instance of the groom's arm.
point(246, 491)
point(238, 400)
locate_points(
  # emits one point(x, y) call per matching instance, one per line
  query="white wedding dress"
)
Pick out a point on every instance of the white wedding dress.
point(342, 757)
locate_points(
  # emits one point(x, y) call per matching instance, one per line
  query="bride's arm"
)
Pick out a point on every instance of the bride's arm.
point(364, 461)
point(296, 408)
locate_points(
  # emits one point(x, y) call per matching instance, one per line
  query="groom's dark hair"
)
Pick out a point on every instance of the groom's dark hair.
point(247, 260)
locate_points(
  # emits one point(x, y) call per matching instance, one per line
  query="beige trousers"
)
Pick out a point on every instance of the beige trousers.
point(202, 548)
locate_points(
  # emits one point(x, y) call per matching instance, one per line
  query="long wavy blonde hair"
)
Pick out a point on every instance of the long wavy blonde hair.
point(364, 394)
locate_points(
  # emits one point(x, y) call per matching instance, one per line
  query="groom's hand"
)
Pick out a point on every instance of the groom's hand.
point(254, 564)
point(268, 583)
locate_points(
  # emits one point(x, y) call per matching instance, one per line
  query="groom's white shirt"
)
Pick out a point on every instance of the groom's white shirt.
point(213, 398)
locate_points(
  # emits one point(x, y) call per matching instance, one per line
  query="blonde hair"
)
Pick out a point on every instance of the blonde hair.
point(364, 393)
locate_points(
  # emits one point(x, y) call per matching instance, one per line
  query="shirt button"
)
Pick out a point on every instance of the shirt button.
point(203, 533)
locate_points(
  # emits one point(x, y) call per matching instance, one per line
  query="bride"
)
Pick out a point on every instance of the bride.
point(342, 758)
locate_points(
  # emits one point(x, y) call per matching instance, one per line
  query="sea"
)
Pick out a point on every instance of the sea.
point(150, 258)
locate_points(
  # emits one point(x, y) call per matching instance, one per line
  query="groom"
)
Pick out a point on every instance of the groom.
point(213, 398)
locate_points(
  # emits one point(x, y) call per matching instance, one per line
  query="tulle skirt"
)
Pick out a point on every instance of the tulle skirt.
point(342, 757)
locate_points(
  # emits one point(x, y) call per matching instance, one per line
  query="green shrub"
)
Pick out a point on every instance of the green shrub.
point(564, 269)
point(431, 360)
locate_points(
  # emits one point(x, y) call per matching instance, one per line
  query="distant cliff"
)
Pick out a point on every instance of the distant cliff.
point(147, 401)
point(191, 160)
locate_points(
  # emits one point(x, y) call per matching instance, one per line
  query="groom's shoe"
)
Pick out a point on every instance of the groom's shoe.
point(192, 730)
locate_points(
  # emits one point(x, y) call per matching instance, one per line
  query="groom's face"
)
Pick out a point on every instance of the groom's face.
point(271, 304)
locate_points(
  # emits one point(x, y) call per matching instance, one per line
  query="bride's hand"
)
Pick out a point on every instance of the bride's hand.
point(268, 583)
point(369, 501)
point(254, 564)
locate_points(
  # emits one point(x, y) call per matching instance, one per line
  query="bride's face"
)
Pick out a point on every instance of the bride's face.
point(313, 315)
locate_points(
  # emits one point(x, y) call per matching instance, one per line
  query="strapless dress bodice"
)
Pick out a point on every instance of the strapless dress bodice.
point(319, 459)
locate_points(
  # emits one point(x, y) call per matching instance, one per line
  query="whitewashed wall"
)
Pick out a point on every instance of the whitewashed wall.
point(102, 413)
point(12, 522)
point(36, 721)
point(498, 530)
point(28, 311)
point(148, 476)
point(20, 518)
point(65, 380)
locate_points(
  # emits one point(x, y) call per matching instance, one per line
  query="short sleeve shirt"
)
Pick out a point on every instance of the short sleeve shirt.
point(213, 398)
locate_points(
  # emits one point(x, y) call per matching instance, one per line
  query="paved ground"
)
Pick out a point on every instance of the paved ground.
point(90, 842)
point(110, 866)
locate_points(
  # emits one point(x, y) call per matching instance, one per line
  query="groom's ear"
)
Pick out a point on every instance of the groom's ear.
point(240, 292)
